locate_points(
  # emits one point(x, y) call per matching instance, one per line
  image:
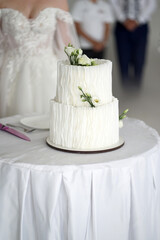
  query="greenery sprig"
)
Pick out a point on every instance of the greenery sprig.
point(86, 97)
point(123, 115)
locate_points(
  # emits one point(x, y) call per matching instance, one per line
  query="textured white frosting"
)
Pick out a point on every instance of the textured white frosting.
point(96, 80)
point(84, 127)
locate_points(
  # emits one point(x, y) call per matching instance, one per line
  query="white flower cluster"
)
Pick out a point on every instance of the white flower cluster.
point(76, 56)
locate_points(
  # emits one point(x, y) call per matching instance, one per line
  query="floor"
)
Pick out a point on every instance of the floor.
point(143, 104)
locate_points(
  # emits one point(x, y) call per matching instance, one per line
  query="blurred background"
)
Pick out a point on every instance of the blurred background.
point(143, 103)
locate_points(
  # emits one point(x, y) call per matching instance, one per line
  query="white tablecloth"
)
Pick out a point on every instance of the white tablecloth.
point(51, 195)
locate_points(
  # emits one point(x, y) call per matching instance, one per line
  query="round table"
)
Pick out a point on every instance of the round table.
point(46, 194)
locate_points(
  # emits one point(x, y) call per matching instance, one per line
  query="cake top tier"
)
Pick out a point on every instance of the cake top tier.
point(94, 80)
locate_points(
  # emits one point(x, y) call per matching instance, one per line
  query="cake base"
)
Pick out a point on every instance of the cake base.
point(115, 146)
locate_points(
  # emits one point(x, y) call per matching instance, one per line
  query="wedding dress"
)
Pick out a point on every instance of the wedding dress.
point(29, 50)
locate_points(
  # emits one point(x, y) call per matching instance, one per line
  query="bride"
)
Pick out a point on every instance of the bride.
point(33, 34)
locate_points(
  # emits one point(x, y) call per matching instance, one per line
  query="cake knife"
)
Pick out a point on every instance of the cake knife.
point(14, 132)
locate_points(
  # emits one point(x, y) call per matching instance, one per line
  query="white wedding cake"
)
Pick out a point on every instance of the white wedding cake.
point(84, 115)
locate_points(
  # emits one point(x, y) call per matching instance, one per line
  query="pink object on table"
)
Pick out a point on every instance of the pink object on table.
point(14, 132)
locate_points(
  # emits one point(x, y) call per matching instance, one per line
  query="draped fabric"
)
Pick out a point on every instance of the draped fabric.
point(65, 33)
point(47, 194)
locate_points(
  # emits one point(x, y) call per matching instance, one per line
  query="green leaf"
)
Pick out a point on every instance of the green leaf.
point(126, 111)
point(88, 95)
point(93, 63)
point(123, 115)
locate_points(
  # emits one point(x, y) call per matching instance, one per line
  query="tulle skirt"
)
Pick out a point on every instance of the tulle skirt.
point(27, 83)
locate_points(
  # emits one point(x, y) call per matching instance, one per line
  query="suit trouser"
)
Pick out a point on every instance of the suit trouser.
point(131, 50)
point(93, 54)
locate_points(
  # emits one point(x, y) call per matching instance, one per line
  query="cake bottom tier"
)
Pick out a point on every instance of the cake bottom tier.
point(84, 127)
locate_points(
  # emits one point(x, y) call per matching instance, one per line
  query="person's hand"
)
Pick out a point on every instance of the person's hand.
point(130, 24)
point(98, 46)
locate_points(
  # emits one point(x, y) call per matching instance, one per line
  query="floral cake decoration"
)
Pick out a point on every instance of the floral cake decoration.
point(76, 57)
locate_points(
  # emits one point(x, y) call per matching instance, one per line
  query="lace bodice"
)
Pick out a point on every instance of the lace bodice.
point(25, 35)
point(29, 50)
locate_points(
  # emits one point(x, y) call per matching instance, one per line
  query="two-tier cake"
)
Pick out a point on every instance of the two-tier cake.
point(84, 115)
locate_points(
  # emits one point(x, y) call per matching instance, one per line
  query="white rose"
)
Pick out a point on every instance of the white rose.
point(69, 50)
point(84, 60)
point(79, 56)
point(80, 51)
